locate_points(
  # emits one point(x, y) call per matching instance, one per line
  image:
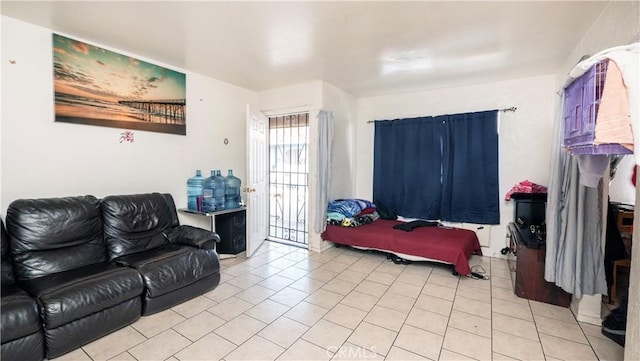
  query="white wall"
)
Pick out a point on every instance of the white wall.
point(617, 25)
point(343, 105)
point(620, 188)
point(299, 97)
point(42, 158)
point(524, 139)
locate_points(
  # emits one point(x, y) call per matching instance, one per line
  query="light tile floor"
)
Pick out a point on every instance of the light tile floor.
point(285, 303)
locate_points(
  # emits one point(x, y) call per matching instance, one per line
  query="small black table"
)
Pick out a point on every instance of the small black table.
point(227, 236)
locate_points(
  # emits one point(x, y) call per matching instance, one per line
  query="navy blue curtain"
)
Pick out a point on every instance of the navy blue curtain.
point(470, 168)
point(443, 167)
point(407, 166)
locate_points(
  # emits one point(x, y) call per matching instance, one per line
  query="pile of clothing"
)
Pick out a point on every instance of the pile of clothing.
point(526, 187)
point(351, 212)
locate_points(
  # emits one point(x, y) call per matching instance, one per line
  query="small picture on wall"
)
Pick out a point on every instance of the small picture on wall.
point(96, 86)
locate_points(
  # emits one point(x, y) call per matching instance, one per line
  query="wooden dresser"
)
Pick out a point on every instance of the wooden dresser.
point(530, 283)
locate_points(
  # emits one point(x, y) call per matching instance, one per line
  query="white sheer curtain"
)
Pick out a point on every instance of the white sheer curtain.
point(325, 140)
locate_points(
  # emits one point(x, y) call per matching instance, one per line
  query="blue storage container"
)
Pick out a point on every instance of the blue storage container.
point(195, 191)
point(207, 193)
point(232, 191)
point(218, 191)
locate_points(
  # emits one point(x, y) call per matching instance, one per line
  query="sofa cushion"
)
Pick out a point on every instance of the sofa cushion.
point(82, 331)
point(28, 348)
point(7, 267)
point(135, 223)
point(19, 314)
point(171, 267)
point(70, 295)
point(193, 236)
point(54, 235)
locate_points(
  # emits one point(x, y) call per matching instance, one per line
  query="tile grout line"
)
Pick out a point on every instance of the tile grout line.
point(213, 331)
point(284, 314)
point(343, 297)
point(370, 270)
point(266, 324)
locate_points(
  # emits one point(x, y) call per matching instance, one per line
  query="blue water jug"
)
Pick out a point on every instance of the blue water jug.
point(232, 191)
point(207, 193)
point(218, 191)
point(194, 192)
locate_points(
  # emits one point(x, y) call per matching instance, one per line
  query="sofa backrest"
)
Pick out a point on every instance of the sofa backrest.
point(7, 267)
point(135, 223)
point(54, 234)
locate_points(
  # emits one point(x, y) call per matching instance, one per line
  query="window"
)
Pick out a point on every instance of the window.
point(443, 167)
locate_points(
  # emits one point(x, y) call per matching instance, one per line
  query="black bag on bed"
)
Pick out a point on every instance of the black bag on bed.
point(384, 212)
point(410, 226)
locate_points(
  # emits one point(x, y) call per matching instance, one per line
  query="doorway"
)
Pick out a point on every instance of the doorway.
point(289, 178)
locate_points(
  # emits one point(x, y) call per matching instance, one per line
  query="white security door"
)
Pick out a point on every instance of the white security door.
point(289, 178)
point(257, 173)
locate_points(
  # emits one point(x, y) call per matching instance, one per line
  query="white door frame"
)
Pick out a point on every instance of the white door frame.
point(257, 180)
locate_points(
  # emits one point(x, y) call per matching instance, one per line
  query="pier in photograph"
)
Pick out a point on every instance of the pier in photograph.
point(168, 108)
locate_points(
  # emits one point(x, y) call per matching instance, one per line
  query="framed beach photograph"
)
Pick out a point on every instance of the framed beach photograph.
point(95, 86)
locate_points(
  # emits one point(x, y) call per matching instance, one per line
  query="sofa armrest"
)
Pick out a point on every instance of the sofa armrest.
point(193, 236)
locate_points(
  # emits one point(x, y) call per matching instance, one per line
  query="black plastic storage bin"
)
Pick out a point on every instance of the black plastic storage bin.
point(232, 229)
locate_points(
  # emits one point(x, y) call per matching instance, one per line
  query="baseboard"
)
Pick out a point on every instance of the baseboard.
point(590, 319)
point(324, 245)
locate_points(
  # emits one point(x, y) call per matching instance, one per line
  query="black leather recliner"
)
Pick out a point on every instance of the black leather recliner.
point(176, 262)
point(60, 257)
point(20, 325)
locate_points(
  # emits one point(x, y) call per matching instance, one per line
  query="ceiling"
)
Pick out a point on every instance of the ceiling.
point(364, 48)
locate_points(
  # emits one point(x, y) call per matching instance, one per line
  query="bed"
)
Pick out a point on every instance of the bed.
point(441, 244)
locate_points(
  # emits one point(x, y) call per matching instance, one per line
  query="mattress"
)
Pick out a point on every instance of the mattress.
point(443, 244)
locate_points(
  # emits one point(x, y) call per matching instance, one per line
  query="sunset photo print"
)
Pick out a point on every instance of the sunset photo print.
point(95, 86)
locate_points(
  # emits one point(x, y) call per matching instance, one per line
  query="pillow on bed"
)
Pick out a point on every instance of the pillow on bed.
point(355, 221)
point(348, 207)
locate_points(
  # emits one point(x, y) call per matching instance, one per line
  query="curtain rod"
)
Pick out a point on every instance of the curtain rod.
point(512, 109)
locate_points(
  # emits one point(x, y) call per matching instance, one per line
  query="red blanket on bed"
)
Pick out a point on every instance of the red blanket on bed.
point(450, 245)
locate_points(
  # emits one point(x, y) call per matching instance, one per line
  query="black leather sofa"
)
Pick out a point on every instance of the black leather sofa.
point(176, 262)
point(21, 329)
point(95, 266)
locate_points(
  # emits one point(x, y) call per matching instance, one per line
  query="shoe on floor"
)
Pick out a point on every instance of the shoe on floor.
point(615, 322)
point(619, 339)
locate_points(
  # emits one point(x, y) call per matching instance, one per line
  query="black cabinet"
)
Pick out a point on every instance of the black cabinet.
point(232, 229)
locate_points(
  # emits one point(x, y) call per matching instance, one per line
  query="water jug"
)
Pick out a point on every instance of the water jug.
point(232, 191)
point(218, 191)
point(194, 192)
point(207, 193)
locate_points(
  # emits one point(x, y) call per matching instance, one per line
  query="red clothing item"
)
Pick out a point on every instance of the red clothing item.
point(633, 176)
point(367, 210)
point(525, 186)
